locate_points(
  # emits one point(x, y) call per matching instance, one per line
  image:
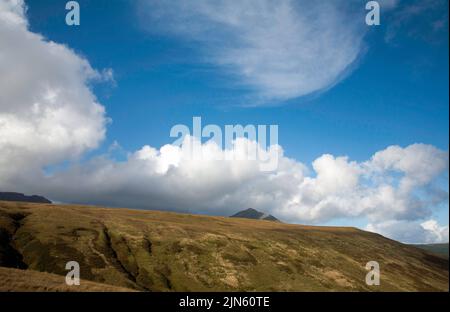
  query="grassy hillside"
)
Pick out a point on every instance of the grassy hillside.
point(161, 251)
point(30, 281)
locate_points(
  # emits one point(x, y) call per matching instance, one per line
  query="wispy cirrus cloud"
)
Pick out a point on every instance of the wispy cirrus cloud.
point(422, 19)
point(277, 49)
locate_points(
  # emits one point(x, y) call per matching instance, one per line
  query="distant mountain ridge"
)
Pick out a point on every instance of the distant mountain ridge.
point(251, 213)
point(440, 249)
point(19, 197)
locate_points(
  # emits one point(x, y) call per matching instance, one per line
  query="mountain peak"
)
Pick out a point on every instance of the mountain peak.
point(251, 213)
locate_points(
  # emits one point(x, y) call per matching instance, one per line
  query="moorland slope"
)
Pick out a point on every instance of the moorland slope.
point(163, 251)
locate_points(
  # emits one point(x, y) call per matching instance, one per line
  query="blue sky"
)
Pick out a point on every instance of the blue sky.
point(395, 92)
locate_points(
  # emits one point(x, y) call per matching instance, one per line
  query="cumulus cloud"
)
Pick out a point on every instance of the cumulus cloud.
point(412, 232)
point(47, 111)
point(170, 178)
point(280, 49)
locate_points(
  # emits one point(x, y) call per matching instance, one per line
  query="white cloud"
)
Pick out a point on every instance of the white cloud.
point(47, 111)
point(419, 162)
point(13, 12)
point(169, 178)
point(412, 232)
point(436, 232)
point(280, 49)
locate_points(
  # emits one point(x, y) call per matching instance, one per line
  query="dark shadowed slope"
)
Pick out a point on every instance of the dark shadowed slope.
point(439, 249)
point(162, 251)
point(19, 197)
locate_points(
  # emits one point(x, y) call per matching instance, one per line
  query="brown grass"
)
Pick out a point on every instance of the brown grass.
point(32, 281)
point(163, 251)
